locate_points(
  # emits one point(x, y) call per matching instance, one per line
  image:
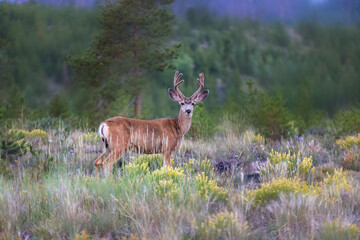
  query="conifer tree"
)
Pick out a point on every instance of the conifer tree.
point(131, 44)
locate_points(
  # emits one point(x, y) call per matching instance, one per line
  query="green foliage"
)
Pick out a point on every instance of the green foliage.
point(267, 114)
point(14, 145)
point(131, 43)
point(338, 229)
point(14, 103)
point(57, 107)
point(36, 40)
point(273, 118)
point(278, 36)
point(347, 122)
point(121, 106)
point(202, 125)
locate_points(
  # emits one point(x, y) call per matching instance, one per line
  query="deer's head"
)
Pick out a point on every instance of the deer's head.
point(187, 104)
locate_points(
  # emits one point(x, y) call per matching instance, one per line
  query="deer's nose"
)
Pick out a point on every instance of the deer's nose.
point(188, 111)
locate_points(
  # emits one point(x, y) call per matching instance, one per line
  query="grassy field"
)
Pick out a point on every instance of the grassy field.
point(232, 186)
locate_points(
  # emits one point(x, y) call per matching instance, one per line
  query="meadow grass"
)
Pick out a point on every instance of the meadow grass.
point(303, 193)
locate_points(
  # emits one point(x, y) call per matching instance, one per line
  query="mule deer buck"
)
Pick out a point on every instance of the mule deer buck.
point(164, 135)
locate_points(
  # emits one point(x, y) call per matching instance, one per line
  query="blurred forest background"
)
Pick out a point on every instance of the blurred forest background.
point(284, 67)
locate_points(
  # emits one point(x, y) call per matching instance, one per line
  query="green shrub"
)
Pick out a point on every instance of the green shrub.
point(337, 229)
point(347, 122)
point(202, 125)
point(267, 114)
point(58, 107)
point(272, 118)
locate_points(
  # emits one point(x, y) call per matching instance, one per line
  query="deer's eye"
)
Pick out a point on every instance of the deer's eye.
point(193, 104)
point(182, 103)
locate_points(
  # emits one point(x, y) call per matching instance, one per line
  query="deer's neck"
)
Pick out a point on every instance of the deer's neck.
point(184, 123)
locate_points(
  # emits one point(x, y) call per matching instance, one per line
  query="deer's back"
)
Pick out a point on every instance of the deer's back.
point(148, 135)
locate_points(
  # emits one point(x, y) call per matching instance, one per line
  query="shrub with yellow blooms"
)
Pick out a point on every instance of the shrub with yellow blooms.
point(223, 225)
point(288, 158)
point(334, 186)
point(153, 161)
point(82, 236)
point(351, 152)
point(192, 167)
point(35, 133)
point(133, 170)
point(167, 181)
point(208, 190)
point(287, 165)
point(258, 139)
point(272, 190)
point(91, 137)
point(305, 168)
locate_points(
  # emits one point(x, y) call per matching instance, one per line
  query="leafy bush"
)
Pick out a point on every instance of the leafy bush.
point(13, 144)
point(58, 107)
point(273, 118)
point(202, 125)
point(272, 190)
point(223, 225)
point(347, 122)
point(267, 113)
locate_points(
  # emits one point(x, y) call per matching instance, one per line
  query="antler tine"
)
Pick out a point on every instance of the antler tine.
point(177, 77)
point(201, 82)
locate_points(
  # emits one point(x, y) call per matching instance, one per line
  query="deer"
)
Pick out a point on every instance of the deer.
point(165, 135)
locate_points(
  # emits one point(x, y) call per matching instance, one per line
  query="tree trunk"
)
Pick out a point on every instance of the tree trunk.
point(138, 104)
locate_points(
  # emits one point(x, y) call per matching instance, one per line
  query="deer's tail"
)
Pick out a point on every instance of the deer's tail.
point(104, 133)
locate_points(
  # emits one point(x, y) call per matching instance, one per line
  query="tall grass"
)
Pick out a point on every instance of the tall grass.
point(191, 200)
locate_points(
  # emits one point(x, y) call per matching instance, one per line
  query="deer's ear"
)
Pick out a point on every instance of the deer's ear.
point(201, 96)
point(174, 96)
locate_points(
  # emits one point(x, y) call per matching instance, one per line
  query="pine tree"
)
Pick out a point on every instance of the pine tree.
point(131, 45)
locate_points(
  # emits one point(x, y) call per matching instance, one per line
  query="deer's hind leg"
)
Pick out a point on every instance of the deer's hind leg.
point(99, 161)
point(118, 150)
point(111, 159)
